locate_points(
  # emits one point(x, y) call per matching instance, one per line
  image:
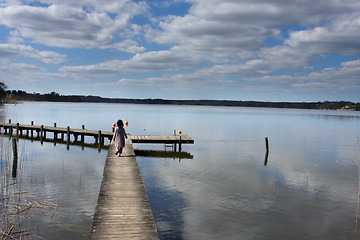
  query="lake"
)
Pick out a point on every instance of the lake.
point(308, 188)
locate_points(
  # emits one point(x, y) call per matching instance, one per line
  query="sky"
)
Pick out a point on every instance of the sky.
point(284, 50)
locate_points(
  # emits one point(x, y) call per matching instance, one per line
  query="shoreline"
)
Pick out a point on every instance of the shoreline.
point(264, 105)
point(13, 97)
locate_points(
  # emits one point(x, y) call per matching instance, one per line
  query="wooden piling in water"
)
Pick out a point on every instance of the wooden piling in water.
point(32, 131)
point(10, 129)
point(266, 144)
point(15, 159)
point(17, 129)
point(266, 151)
point(55, 133)
point(41, 131)
point(68, 133)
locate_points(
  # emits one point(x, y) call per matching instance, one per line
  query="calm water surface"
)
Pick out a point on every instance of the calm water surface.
point(307, 190)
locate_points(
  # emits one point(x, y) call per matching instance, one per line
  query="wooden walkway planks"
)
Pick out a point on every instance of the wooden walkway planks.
point(123, 210)
point(161, 139)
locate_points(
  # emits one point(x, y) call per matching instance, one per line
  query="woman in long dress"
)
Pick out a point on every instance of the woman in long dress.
point(119, 137)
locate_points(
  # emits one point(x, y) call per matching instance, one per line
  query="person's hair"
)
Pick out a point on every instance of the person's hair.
point(120, 123)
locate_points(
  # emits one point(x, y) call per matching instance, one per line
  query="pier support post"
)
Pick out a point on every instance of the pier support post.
point(55, 133)
point(98, 140)
point(32, 131)
point(82, 135)
point(17, 130)
point(68, 134)
point(20, 129)
point(41, 131)
point(68, 138)
point(41, 134)
point(10, 129)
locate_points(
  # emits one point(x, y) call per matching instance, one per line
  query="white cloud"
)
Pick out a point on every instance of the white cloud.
point(124, 7)
point(129, 46)
point(167, 61)
point(237, 29)
point(345, 77)
point(50, 57)
point(341, 36)
point(216, 44)
point(64, 25)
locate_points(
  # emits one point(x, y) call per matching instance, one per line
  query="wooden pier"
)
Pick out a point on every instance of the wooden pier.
point(123, 210)
point(65, 134)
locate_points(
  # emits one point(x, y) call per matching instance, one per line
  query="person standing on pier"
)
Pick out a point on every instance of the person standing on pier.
point(119, 137)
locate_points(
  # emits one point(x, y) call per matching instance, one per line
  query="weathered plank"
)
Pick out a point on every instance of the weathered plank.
point(162, 139)
point(123, 210)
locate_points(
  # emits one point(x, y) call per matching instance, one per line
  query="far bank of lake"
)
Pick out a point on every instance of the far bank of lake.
point(14, 96)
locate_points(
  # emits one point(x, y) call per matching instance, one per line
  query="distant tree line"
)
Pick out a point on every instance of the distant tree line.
point(18, 95)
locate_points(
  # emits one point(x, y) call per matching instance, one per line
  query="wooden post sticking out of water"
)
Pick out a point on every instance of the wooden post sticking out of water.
point(99, 137)
point(32, 131)
point(55, 134)
point(266, 150)
point(41, 132)
point(17, 129)
point(82, 135)
point(68, 134)
point(267, 144)
point(10, 129)
point(14, 171)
